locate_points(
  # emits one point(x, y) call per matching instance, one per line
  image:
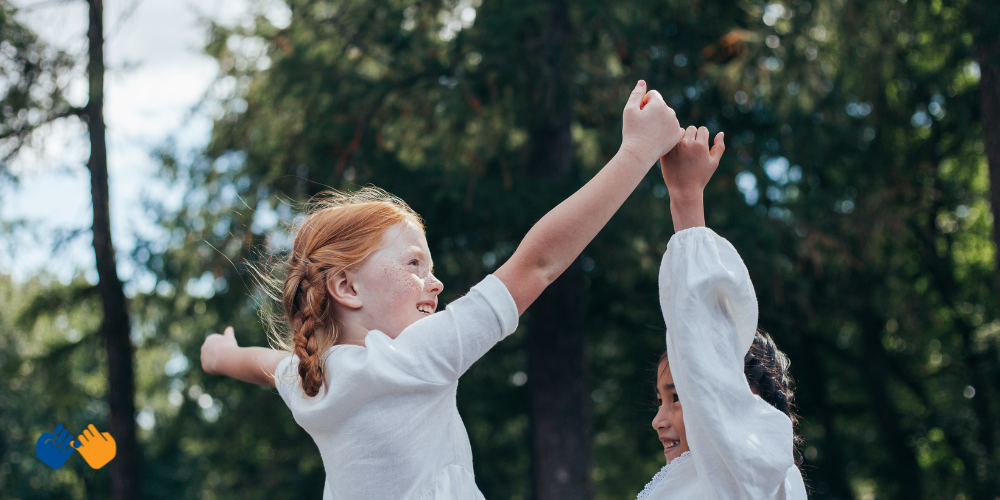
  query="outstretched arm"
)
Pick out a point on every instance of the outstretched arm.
point(649, 130)
point(221, 355)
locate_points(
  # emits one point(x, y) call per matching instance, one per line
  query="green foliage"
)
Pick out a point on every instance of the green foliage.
point(50, 374)
point(854, 185)
point(878, 270)
point(32, 83)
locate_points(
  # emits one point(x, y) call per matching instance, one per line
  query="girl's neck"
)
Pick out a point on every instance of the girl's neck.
point(352, 330)
point(356, 323)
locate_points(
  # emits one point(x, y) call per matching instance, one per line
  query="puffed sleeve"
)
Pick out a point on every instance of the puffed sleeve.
point(740, 444)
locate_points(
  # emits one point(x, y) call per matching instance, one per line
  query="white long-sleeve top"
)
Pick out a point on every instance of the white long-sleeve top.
point(386, 422)
point(740, 446)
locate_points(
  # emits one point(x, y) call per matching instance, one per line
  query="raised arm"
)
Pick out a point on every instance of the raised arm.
point(649, 130)
point(221, 355)
point(737, 439)
point(741, 445)
point(686, 170)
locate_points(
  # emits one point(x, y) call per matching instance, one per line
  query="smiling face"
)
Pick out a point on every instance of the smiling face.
point(669, 420)
point(397, 281)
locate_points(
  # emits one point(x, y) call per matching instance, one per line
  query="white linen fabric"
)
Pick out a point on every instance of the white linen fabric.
point(386, 422)
point(664, 471)
point(741, 446)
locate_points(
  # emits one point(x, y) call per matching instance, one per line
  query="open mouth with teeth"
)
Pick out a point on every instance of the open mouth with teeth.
point(425, 308)
point(670, 445)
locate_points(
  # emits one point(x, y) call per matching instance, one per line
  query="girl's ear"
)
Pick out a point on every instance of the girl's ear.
point(343, 288)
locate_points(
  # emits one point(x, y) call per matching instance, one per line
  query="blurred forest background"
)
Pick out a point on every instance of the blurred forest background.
point(855, 185)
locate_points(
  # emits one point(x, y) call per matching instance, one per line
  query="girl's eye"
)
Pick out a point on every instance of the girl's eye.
point(676, 399)
point(413, 263)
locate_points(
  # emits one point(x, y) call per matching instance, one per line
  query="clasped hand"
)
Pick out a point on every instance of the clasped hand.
point(689, 166)
point(649, 127)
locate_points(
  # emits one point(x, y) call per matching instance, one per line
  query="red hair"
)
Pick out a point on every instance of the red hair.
point(339, 233)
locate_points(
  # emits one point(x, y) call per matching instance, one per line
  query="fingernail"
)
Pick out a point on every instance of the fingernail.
point(641, 84)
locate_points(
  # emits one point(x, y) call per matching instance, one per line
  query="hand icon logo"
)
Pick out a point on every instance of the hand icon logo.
point(97, 448)
point(54, 447)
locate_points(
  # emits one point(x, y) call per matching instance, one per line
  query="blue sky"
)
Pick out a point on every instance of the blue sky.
point(156, 76)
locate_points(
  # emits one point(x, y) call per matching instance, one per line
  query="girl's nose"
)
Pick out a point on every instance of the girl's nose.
point(660, 421)
point(434, 285)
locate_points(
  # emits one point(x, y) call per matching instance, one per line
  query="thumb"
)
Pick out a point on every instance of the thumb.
point(718, 147)
point(635, 98)
point(230, 332)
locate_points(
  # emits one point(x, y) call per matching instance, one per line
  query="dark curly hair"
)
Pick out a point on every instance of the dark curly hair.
point(766, 370)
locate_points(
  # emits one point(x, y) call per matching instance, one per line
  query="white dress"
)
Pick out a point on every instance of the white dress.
point(386, 423)
point(741, 446)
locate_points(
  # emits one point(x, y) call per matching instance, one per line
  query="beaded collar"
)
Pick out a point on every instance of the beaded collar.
point(651, 485)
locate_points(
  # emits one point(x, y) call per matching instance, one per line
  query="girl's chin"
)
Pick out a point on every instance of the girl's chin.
point(672, 453)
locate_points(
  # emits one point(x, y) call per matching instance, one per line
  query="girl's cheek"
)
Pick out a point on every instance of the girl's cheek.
point(404, 285)
point(673, 409)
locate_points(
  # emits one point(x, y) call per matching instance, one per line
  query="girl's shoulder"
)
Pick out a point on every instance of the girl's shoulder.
point(339, 362)
point(376, 369)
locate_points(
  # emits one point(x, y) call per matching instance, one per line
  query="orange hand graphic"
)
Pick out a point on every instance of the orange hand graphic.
point(97, 448)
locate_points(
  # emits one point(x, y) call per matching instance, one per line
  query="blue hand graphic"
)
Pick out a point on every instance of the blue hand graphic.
point(54, 448)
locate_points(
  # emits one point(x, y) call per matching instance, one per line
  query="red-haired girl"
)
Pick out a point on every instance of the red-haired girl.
point(724, 396)
point(372, 369)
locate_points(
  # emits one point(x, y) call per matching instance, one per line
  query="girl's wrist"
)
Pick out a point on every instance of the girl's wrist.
point(225, 357)
point(633, 152)
point(682, 199)
point(687, 209)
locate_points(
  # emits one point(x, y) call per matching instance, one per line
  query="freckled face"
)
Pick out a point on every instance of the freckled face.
point(669, 419)
point(397, 282)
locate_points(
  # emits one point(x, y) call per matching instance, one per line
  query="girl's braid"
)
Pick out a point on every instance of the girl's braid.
point(308, 312)
point(766, 370)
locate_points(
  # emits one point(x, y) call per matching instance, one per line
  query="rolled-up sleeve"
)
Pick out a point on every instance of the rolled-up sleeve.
point(441, 347)
point(741, 445)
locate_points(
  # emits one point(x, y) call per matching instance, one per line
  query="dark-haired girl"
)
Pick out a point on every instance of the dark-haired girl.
point(724, 415)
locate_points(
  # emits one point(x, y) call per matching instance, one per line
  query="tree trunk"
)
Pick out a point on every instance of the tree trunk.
point(115, 326)
point(988, 56)
point(986, 16)
point(557, 374)
point(883, 408)
point(558, 384)
point(811, 370)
